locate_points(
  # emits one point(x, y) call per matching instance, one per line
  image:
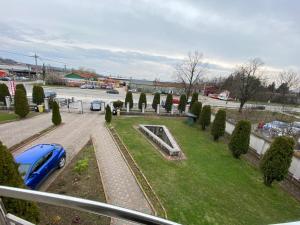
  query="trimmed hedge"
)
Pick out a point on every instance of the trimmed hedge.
point(21, 103)
point(108, 115)
point(156, 101)
point(194, 99)
point(9, 176)
point(142, 100)
point(205, 115)
point(21, 87)
point(38, 94)
point(277, 160)
point(218, 126)
point(196, 109)
point(3, 92)
point(240, 138)
point(129, 99)
point(56, 118)
point(182, 103)
point(169, 103)
point(118, 104)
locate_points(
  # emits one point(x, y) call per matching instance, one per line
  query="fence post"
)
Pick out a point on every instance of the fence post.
point(46, 102)
point(102, 106)
point(187, 107)
point(143, 108)
point(127, 107)
point(172, 109)
point(7, 101)
point(157, 108)
point(3, 219)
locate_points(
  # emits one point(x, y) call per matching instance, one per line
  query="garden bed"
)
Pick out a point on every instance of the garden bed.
point(81, 179)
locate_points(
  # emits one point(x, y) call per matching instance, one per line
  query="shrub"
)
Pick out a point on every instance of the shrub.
point(196, 108)
point(277, 160)
point(9, 176)
point(21, 104)
point(118, 104)
point(142, 100)
point(38, 95)
point(240, 138)
point(194, 99)
point(169, 103)
point(182, 103)
point(3, 92)
point(81, 165)
point(205, 115)
point(218, 126)
point(21, 87)
point(56, 118)
point(129, 99)
point(108, 114)
point(156, 101)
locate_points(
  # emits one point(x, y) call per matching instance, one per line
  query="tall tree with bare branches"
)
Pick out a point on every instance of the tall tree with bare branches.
point(190, 72)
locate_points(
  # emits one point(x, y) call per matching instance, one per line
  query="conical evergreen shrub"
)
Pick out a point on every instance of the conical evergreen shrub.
point(38, 95)
point(196, 109)
point(194, 99)
point(56, 118)
point(129, 99)
point(218, 126)
point(156, 101)
point(21, 103)
point(21, 87)
point(182, 103)
point(108, 115)
point(169, 103)
point(3, 92)
point(205, 115)
point(142, 100)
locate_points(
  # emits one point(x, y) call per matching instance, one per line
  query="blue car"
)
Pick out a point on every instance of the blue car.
point(39, 161)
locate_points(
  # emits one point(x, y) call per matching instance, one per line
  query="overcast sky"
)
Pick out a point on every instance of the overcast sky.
point(147, 38)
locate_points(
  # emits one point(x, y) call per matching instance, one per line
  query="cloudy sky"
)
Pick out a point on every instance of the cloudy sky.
point(147, 38)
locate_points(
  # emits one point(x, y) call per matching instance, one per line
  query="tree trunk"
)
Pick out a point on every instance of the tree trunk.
point(241, 105)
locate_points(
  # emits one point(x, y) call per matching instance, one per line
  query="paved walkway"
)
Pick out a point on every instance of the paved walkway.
point(119, 183)
point(14, 132)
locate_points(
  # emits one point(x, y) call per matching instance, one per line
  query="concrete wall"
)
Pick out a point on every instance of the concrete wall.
point(260, 145)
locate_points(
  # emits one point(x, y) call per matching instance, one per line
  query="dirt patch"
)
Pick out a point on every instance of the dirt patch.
point(80, 178)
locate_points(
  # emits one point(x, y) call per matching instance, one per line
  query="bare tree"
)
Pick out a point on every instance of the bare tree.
point(287, 80)
point(190, 72)
point(245, 81)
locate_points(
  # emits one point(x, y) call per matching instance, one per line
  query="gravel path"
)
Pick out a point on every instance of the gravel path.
point(14, 132)
point(119, 183)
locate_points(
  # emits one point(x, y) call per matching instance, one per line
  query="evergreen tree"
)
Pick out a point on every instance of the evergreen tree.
point(277, 160)
point(9, 176)
point(142, 100)
point(182, 103)
point(3, 92)
point(156, 101)
point(21, 86)
point(129, 99)
point(194, 99)
point(196, 109)
point(21, 103)
point(205, 115)
point(169, 103)
point(56, 118)
point(38, 95)
point(218, 126)
point(108, 114)
point(240, 138)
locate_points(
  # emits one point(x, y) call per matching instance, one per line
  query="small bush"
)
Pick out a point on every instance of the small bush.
point(21, 87)
point(194, 99)
point(118, 104)
point(156, 101)
point(108, 114)
point(142, 100)
point(38, 94)
point(81, 165)
point(240, 138)
point(218, 126)
point(196, 109)
point(169, 103)
point(277, 160)
point(182, 103)
point(205, 115)
point(56, 118)
point(129, 99)
point(21, 104)
point(9, 176)
point(3, 92)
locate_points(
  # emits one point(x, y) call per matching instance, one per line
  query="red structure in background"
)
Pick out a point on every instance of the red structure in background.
point(3, 73)
point(210, 90)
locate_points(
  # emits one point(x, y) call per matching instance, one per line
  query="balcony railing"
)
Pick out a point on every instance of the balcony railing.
point(75, 203)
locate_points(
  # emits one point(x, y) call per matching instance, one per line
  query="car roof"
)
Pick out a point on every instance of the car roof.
point(34, 153)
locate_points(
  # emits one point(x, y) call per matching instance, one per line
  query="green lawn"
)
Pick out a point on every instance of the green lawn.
point(210, 187)
point(4, 116)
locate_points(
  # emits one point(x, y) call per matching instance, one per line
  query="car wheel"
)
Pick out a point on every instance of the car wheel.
point(62, 162)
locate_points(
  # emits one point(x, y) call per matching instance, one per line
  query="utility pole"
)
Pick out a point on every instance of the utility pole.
point(65, 68)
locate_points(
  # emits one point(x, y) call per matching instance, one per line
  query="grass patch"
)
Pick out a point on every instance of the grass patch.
point(84, 184)
point(210, 186)
point(6, 116)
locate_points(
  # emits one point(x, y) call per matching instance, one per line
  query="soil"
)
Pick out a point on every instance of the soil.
point(86, 184)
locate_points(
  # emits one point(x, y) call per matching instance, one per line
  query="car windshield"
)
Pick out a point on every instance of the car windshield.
point(23, 169)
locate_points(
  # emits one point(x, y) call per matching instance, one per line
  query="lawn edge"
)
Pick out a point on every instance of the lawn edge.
point(142, 182)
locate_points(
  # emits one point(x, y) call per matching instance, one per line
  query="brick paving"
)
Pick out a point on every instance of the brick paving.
point(119, 183)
